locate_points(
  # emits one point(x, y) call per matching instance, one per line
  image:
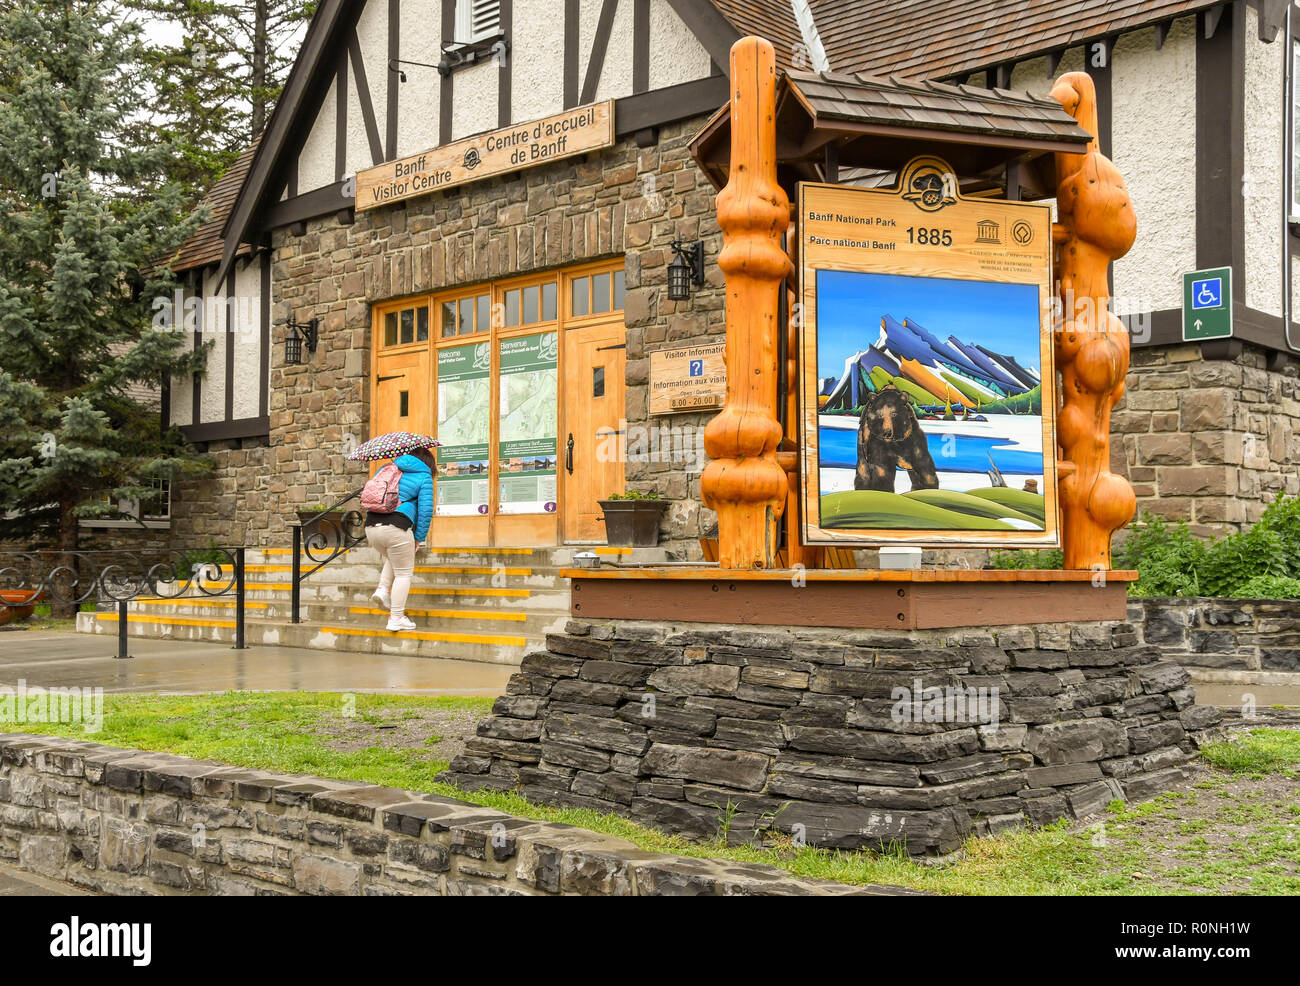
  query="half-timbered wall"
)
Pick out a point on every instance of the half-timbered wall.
point(229, 399)
point(556, 54)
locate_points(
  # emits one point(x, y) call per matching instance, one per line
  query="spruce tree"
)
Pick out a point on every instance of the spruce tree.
point(85, 215)
point(213, 89)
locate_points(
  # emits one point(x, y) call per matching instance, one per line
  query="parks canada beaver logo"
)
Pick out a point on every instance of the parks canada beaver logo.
point(890, 438)
point(929, 184)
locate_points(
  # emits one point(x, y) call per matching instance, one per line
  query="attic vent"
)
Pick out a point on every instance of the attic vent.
point(477, 19)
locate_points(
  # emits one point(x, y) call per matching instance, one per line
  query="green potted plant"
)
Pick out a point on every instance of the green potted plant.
point(632, 518)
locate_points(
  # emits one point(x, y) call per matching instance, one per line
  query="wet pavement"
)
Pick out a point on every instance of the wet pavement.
point(64, 659)
point(19, 883)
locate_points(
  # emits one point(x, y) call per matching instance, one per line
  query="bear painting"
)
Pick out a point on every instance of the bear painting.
point(890, 438)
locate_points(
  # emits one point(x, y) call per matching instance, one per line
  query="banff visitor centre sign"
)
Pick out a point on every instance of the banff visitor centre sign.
point(927, 387)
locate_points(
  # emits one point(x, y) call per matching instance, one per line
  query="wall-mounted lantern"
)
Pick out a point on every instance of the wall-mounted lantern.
point(298, 333)
point(686, 268)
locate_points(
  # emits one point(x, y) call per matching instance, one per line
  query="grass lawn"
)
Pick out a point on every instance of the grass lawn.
point(1235, 829)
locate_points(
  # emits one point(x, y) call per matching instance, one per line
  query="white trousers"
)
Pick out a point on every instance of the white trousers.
point(397, 548)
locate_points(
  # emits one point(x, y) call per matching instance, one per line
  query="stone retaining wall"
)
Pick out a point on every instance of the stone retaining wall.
point(126, 822)
point(1221, 634)
point(708, 730)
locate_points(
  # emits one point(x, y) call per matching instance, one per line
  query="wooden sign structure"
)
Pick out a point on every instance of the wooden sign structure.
point(510, 149)
point(690, 378)
point(1097, 226)
point(927, 388)
point(756, 473)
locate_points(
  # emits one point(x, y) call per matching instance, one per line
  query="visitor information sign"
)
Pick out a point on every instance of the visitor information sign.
point(464, 422)
point(926, 378)
point(527, 430)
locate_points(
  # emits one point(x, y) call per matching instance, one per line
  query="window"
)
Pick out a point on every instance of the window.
point(477, 19)
point(465, 316)
point(159, 505)
point(529, 304)
point(405, 326)
point(596, 294)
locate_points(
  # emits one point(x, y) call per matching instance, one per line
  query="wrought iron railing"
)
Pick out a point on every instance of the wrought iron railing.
point(72, 578)
point(320, 539)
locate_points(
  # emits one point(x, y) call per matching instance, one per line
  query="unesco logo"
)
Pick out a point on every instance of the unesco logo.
point(1022, 232)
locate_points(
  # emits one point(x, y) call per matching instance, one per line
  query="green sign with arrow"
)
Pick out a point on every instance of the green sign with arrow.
point(1207, 304)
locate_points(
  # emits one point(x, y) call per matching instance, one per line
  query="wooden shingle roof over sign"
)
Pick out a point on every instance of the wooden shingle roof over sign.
point(939, 39)
point(205, 246)
point(901, 102)
point(978, 131)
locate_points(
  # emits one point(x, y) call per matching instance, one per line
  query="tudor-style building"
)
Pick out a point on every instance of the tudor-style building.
point(429, 301)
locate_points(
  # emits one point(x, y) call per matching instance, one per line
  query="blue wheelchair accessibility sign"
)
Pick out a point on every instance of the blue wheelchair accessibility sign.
point(1207, 293)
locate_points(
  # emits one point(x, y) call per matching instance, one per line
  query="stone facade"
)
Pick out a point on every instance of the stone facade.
point(1221, 634)
point(625, 201)
point(707, 730)
point(239, 503)
point(1207, 441)
point(126, 822)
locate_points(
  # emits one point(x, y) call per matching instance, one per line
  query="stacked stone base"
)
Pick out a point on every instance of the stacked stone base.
point(712, 731)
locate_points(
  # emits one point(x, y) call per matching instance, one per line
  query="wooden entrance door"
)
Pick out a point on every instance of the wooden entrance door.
point(591, 444)
point(401, 398)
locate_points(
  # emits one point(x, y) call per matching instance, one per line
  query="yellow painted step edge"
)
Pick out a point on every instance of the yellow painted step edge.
point(450, 638)
point(169, 621)
point(201, 601)
point(479, 550)
point(424, 590)
point(438, 569)
point(445, 614)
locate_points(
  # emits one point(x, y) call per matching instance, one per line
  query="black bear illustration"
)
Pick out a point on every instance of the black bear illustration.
point(890, 438)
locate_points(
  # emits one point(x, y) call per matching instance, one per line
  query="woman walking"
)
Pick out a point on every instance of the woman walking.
point(397, 533)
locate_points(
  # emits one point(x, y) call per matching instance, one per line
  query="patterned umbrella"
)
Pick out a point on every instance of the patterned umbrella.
point(391, 445)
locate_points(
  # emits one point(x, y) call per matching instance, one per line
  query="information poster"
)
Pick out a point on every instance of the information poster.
point(464, 423)
point(926, 377)
point(527, 436)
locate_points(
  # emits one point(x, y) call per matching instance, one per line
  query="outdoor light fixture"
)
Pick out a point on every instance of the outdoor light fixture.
point(394, 62)
point(300, 332)
point(687, 268)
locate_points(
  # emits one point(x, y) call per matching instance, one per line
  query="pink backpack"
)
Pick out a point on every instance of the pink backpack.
point(381, 495)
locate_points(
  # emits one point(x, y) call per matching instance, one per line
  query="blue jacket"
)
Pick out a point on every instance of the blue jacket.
point(416, 489)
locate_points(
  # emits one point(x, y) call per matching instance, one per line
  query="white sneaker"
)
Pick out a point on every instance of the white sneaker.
point(381, 599)
point(400, 624)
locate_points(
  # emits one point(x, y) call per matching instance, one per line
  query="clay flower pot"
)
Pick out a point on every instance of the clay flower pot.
point(25, 598)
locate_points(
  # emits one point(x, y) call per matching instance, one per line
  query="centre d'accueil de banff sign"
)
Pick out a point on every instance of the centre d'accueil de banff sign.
point(926, 380)
point(498, 152)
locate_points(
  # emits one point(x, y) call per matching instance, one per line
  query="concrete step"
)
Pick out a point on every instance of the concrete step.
point(451, 618)
point(355, 637)
point(473, 604)
point(545, 557)
point(358, 593)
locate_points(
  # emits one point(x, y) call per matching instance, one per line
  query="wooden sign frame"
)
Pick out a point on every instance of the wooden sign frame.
point(924, 228)
point(499, 152)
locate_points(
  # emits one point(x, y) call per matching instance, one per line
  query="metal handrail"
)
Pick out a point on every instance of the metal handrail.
point(321, 534)
point(74, 577)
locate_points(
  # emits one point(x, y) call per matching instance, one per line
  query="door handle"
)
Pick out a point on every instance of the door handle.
point(568, 454)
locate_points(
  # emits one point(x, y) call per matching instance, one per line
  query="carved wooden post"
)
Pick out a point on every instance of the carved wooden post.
point(1092, 345)
point(744, 482)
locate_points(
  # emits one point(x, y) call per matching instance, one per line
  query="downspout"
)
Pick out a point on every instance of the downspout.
point(1288, 171)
